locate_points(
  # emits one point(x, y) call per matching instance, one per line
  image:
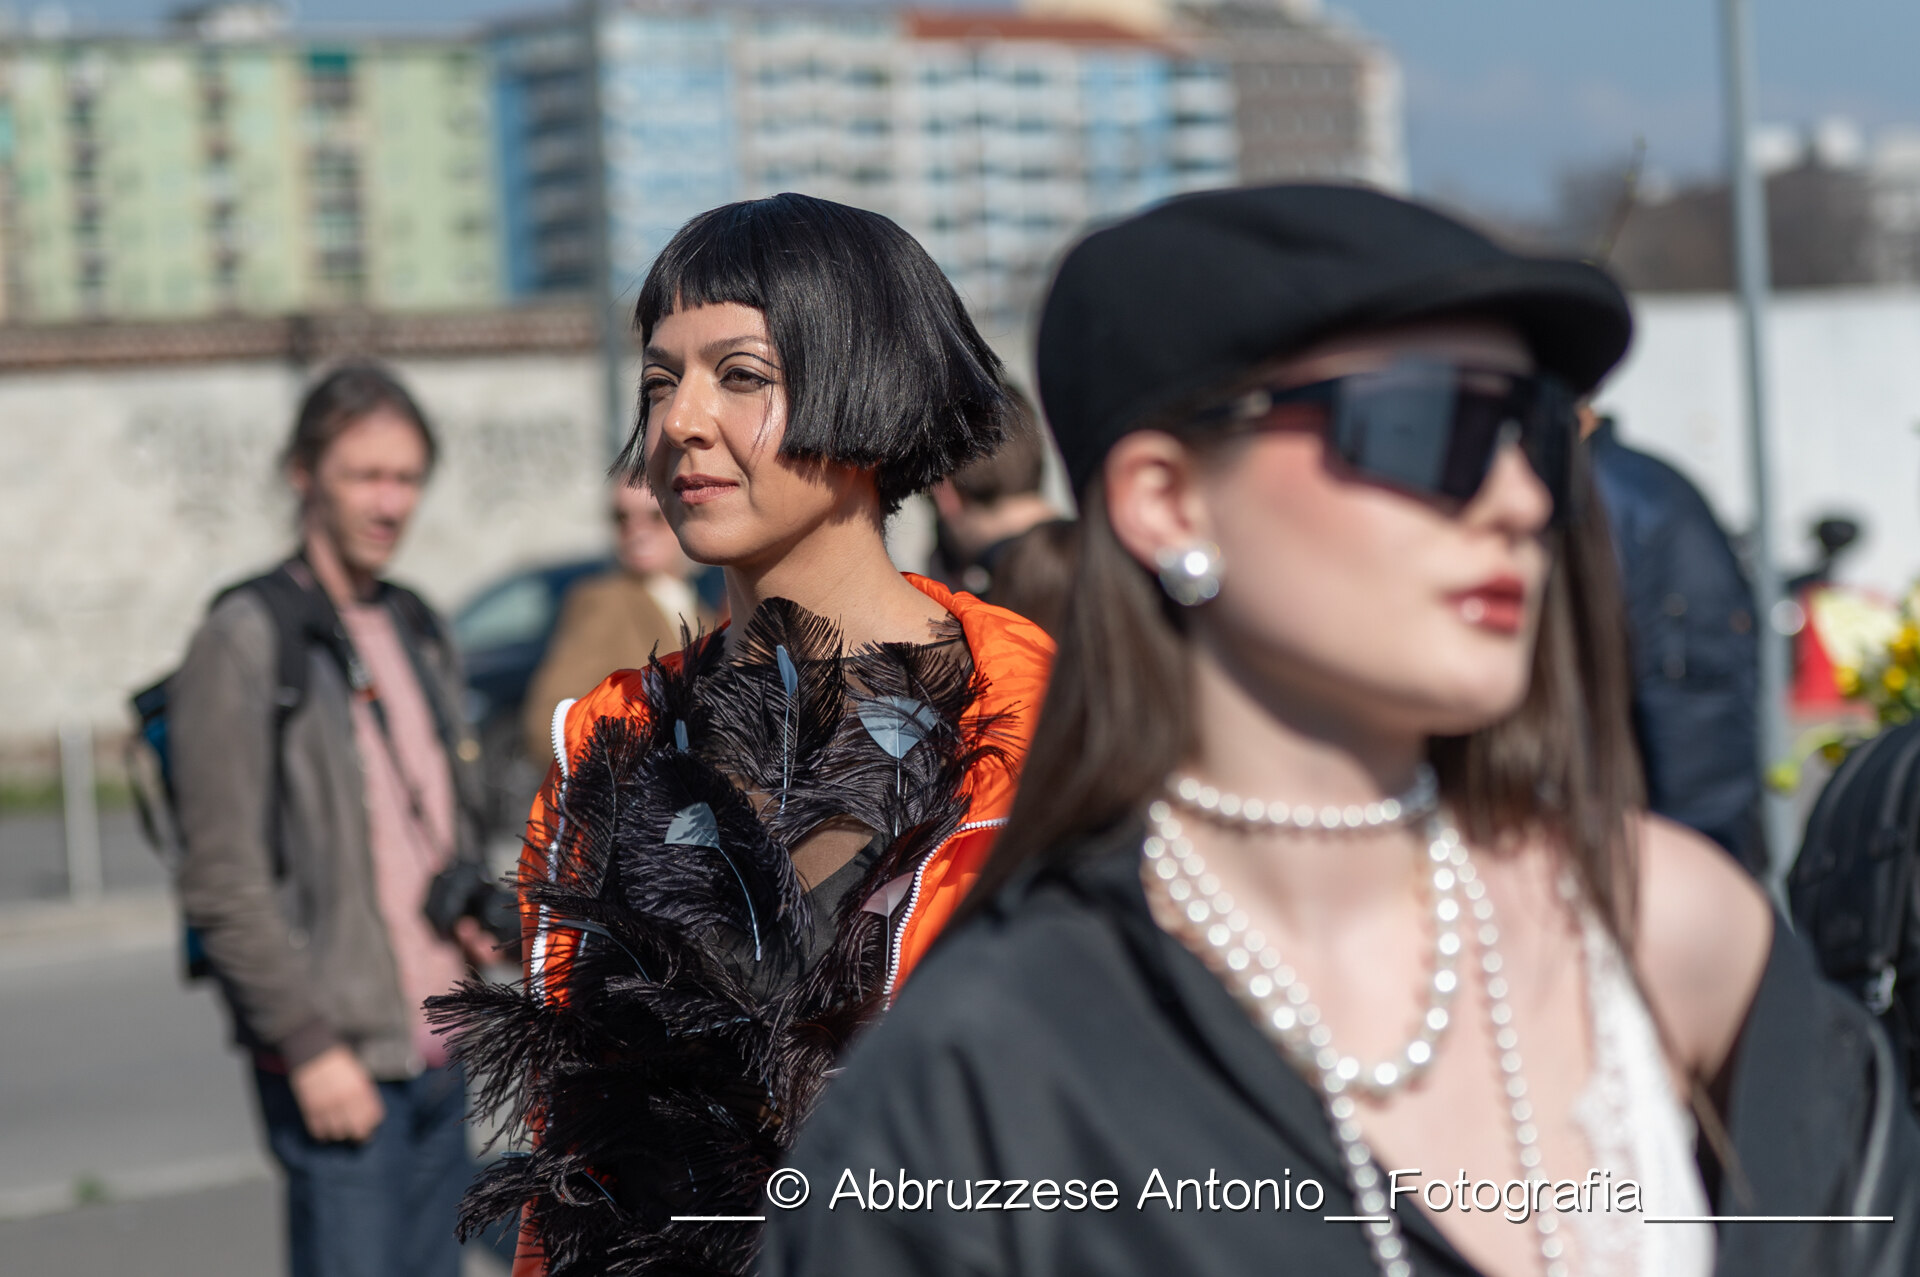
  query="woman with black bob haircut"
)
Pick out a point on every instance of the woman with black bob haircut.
point(1330, 934)
point(745, 847)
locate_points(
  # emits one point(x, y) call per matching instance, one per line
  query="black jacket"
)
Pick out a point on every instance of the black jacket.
point(1064, 1036)
point(1696, 653)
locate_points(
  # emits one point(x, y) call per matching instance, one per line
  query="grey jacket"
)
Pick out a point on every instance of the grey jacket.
point(302, 955)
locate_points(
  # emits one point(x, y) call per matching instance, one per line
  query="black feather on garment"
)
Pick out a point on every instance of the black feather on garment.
point(674, 1067)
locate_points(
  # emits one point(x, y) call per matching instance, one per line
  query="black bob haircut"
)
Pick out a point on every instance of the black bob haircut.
point(883, 368)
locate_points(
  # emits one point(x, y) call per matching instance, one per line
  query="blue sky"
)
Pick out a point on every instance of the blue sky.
point(1503, 95)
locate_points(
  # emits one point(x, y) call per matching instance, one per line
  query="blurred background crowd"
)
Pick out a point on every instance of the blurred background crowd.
point(203, 209)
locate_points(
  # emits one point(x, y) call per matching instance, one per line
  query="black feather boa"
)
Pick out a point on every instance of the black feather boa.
point(663, 1079)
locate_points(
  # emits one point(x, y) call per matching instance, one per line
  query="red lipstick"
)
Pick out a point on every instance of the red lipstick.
point(1498, 604)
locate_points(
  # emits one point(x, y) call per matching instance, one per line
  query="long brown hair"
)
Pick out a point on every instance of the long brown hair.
point(1118, 718)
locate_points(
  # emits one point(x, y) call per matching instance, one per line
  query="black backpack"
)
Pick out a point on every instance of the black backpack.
point(1855, 890)
point(303, 619)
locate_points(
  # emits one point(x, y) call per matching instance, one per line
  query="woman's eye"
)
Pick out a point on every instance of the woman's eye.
point(745, 379)
point(654, 387)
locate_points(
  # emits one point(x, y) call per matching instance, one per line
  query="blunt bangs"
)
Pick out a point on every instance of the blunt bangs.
point(883, 368)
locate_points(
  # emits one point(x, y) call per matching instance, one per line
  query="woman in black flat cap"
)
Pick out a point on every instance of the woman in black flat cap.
point(1330, 934)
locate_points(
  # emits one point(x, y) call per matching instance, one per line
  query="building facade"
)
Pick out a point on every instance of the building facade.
point(991, 137)
point(237, 169)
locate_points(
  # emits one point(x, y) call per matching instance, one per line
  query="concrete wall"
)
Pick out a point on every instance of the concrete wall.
point(1845, 384)
point(127, 496)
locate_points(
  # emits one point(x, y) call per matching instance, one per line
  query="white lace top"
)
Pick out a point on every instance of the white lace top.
point(1639, 1129)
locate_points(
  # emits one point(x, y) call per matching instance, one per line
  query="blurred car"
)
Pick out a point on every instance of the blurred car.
point(503, 633)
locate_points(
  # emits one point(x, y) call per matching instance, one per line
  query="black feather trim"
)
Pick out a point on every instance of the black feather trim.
point(672, 1067)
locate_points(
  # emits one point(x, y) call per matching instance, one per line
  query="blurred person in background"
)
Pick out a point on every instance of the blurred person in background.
point(1694, 644)
point(984, 505)
point(1033, 573)
point(1329, 858)
point(746, 847)
point(618, 619)
point(310, 845)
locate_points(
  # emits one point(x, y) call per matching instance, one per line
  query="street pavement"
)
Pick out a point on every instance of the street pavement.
point(33, 855)
point(127, 1139)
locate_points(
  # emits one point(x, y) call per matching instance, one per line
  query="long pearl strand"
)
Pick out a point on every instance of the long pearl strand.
point(1280, 1005)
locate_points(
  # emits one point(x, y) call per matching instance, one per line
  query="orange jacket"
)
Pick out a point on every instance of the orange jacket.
point(1011, 654)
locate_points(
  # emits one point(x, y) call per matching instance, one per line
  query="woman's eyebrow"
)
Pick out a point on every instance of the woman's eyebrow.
point(714, 351)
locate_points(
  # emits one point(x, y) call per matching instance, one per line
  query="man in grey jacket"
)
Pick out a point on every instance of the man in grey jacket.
point(312, 833)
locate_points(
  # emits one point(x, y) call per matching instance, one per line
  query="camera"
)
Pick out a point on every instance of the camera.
point(464, 890)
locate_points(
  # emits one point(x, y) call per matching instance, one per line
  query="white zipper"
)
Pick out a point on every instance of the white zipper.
point(538, 964)
point(913, 899)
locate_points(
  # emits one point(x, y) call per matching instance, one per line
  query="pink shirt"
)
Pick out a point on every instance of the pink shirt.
point(410, 815)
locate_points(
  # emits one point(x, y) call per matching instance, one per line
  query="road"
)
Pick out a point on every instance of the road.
point(33, 862)
point(127, 1142)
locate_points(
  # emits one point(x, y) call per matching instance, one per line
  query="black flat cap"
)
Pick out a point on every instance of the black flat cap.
point(1194, 293)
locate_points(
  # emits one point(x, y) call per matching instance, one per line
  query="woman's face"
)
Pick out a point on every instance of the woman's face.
point(1350, 597)
point(716, 408)
point(643, 542)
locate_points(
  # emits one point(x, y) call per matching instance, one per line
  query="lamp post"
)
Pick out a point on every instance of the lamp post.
point(1751, 270)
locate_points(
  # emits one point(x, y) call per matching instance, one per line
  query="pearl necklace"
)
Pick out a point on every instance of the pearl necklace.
point(1231, 809)
point(1280, 1005)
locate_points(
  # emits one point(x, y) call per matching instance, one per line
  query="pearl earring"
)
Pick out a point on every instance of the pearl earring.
point(1190, 575)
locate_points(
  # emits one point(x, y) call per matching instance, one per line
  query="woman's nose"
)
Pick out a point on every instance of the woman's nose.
point(682, 418)
point(1513, 497)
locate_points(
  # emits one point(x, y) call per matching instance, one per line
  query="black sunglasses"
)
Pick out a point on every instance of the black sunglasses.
point(1429, 426)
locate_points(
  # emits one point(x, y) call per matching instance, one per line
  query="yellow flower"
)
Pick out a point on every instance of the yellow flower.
point(1893, 679)
point(1847, 679)
point(1905, 644)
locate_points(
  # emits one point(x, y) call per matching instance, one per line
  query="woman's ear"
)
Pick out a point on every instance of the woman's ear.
point(1154, 502)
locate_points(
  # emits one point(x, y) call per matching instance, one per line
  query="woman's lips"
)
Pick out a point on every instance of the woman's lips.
point(698, 489)
point(1498, 605)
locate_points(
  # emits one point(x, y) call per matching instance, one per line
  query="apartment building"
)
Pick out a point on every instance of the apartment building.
point(993, 137)
point(229, 166)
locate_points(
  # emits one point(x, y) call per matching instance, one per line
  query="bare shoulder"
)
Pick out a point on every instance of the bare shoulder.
point(1703, 934)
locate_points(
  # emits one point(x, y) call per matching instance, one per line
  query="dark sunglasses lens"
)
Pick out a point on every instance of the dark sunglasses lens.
point(1394, 426)
point(1481, 422)
point(1429, 429)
